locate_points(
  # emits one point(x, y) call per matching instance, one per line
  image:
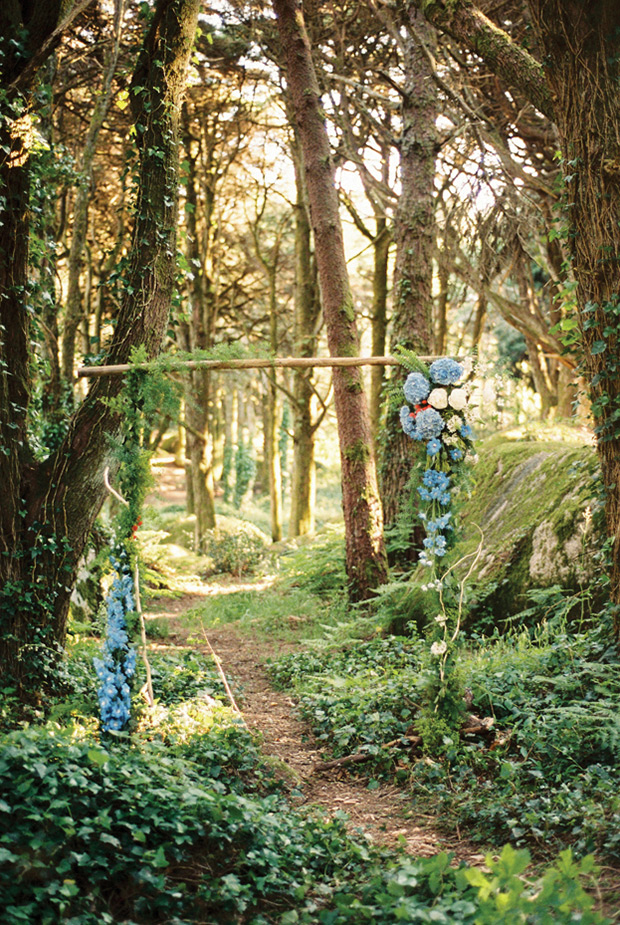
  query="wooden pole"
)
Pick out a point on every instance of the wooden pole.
point(275, 363)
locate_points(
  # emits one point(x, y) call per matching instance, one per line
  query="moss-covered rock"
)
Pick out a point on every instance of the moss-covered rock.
point(534, 504)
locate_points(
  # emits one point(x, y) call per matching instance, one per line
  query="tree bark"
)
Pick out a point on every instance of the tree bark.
point(307, 317)
point(414, 233)
point(47, 509)
point(365, 551)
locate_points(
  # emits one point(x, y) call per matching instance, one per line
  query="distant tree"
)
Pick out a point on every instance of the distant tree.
point(365, 553)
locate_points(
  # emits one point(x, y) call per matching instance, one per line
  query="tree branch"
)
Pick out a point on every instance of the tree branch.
point(512, 63)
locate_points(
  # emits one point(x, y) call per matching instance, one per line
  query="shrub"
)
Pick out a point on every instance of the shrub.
point(235, 546)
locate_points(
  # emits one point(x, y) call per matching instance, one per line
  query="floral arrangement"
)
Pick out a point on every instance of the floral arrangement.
point(118, 665)
point(436, 415)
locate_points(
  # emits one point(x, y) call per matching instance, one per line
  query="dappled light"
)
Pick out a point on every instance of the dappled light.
point(309, 462)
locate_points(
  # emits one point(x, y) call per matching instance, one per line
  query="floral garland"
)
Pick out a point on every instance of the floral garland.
point(118, 665)
point(438, 418)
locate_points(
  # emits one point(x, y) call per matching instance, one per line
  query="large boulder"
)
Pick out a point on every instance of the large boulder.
point(535, 504)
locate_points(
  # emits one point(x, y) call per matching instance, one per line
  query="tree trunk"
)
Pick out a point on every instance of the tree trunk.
point(414, 233)
point(381, 253)
point(198, 389)
point(580, 44)
point(365, 552)
point(47, 509)
point(307, 316)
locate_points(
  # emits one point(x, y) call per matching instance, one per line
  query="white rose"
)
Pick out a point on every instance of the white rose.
point(458, 399)
point(439, 648)
point(438, 399)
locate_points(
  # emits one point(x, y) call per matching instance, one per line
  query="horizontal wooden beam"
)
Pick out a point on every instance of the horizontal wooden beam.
point(276, 363)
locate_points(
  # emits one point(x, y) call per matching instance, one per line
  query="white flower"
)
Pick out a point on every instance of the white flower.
point(458, 399)
point(438, 399)
point(440, 618)
point(439, 648)
point(454, 424)
point(450, 439)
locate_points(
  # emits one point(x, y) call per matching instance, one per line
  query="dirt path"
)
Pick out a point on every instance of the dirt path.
point(381, 813)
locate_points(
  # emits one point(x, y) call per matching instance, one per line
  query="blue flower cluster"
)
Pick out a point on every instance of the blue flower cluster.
point(445, 371)
point(118, 664)
point(435, 487)
point(428, 424)
point(435, 415)
point(416, 388)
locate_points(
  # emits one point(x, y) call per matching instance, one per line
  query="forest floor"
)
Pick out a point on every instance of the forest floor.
point(286, 741)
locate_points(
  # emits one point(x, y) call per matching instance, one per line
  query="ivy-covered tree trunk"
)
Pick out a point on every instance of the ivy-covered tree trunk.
point(414, 233)
point(48, 508)
point(582, 63)
point(365, 552)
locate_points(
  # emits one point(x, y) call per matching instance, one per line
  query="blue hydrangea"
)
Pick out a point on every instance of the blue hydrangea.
point(416, 388)
point(445, 371)
point(408, 422)
point(429, 423)
point(433, 446)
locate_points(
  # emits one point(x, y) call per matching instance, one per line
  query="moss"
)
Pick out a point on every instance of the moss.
point(347, 308)
point(528, 500)
point(357, 452)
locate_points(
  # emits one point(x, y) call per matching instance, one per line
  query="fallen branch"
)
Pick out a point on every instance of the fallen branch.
point(224, 679)
point(365, 756)
point(476, 726)
point(274, 363)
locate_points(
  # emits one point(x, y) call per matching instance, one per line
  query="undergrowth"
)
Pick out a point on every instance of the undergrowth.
point(547, 778)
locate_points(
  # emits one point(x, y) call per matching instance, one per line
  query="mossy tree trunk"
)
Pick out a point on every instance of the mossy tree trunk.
point(365, 553)
point(47, 508)
point(414, 234)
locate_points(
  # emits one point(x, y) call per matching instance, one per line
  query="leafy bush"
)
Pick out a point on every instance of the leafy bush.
point(134, 835)
point(317, 567)
point(183, 676)
point(235, 546)
point(358, 697)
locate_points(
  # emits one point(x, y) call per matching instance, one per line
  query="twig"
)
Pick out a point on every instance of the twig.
point(358, 757)
point(218, 665)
